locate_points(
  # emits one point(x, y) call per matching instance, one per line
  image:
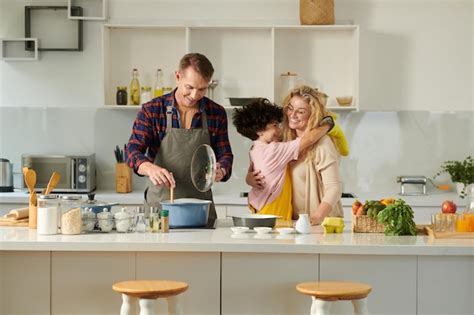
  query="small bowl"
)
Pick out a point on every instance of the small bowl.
point(286, 230)
point(344, 100)
point(262, 229)
point(239, 229)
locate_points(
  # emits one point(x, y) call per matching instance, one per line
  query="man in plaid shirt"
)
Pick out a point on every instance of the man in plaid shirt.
point(169, 128)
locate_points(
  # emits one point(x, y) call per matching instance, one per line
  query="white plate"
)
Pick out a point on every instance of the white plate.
point(239, 229)
point(262, 229)
point(286, 230)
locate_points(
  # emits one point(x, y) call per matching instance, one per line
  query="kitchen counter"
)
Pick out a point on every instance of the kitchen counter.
point(433, 199)
point(223, 240)
point(225, 270)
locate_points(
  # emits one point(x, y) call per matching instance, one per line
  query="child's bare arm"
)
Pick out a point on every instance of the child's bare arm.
point(315, 134)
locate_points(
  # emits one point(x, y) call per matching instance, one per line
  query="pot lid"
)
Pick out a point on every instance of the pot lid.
point(203, 168)
point(91, 202)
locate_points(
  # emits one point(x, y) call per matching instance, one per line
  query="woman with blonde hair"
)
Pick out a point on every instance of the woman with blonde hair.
point(315, 177)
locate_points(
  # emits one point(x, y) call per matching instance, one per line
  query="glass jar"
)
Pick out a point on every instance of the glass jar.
point(121, 97)
point(105, 219)
point(123, 220)
point(145, 96)
point(48, 209)
point(71, 216)
point(89, 219)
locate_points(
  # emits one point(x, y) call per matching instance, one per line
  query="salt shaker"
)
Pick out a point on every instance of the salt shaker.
point(140, 227)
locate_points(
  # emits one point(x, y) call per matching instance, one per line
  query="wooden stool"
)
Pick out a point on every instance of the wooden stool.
point(325, 292)
point(147, 291)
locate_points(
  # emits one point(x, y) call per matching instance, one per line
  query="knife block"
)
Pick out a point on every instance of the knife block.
point(123, 178)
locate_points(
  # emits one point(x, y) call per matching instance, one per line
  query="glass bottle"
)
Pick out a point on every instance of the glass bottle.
point(158, 88)
point(164, 221)
point(145, 96)
point(121, 96)
point(140, 227)
point(135, 89)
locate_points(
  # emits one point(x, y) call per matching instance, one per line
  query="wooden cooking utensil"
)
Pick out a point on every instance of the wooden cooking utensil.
point(171, 192)
point(53, 181)
point(30, 180)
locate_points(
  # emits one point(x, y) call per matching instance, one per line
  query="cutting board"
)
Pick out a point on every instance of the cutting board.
point(430, 232)
point(13, 222)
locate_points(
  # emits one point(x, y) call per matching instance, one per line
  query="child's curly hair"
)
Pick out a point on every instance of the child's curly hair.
point(255, 117)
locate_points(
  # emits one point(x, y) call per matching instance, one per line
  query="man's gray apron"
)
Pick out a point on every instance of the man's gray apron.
point(175, 154)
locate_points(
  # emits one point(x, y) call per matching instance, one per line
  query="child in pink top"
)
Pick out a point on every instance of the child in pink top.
point(260, 122)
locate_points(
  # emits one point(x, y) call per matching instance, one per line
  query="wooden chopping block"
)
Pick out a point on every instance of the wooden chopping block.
point(13, 222)
point(16, 214)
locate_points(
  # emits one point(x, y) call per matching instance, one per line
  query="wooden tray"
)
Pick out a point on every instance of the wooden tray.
point(431, 233)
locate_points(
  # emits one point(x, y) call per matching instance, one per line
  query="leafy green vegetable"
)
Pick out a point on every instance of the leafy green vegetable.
point(397, 219)
point(373, 207)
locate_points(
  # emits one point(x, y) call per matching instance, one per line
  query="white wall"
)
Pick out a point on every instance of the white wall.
point(414, 54)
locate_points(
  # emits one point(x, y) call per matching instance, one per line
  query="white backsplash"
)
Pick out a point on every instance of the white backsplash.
point(383, 144)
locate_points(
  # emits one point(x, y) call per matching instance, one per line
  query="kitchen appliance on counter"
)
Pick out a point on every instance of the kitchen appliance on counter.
point(6, 175)
point(412, 185)
point(77, 172)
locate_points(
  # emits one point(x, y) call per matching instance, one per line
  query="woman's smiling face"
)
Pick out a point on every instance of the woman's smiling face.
point(298, 112)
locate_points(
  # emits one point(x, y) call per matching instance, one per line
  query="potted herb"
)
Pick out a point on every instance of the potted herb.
point(461, 172)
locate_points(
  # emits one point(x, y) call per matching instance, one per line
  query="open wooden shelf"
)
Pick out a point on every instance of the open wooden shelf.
point(324, 56)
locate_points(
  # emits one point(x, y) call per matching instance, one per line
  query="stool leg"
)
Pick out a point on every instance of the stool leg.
point(320, 307)
point(174, 308)
point(129, 305)
point(360, 307)
point(147, 307)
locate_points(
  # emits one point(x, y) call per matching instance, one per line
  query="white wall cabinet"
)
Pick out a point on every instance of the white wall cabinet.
point(248, 60)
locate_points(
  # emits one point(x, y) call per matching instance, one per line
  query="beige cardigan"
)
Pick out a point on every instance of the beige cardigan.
point(317, 180)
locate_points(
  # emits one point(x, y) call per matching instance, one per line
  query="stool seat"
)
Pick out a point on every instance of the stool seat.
point(150, 289)
point(335, 290)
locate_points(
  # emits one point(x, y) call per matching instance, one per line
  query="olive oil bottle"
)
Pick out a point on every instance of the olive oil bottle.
point(135, 89)
point(158, 88)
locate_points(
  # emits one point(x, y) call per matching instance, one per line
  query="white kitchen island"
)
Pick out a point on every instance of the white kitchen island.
point(233, 274)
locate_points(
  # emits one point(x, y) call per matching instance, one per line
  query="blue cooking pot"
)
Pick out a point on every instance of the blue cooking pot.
point(187, 212)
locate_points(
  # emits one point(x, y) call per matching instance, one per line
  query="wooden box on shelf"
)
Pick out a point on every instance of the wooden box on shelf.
point(364, 224)
point(123, 178)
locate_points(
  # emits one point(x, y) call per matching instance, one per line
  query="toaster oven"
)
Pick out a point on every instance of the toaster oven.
point(77, 171)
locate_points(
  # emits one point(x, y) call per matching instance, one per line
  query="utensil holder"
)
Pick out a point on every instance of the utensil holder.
point(32, 216)
point(123, 178)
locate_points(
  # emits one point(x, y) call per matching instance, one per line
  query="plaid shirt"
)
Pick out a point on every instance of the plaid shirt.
point(149, 129)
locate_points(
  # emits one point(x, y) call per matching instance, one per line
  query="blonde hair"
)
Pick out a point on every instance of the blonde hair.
point(317, 106)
